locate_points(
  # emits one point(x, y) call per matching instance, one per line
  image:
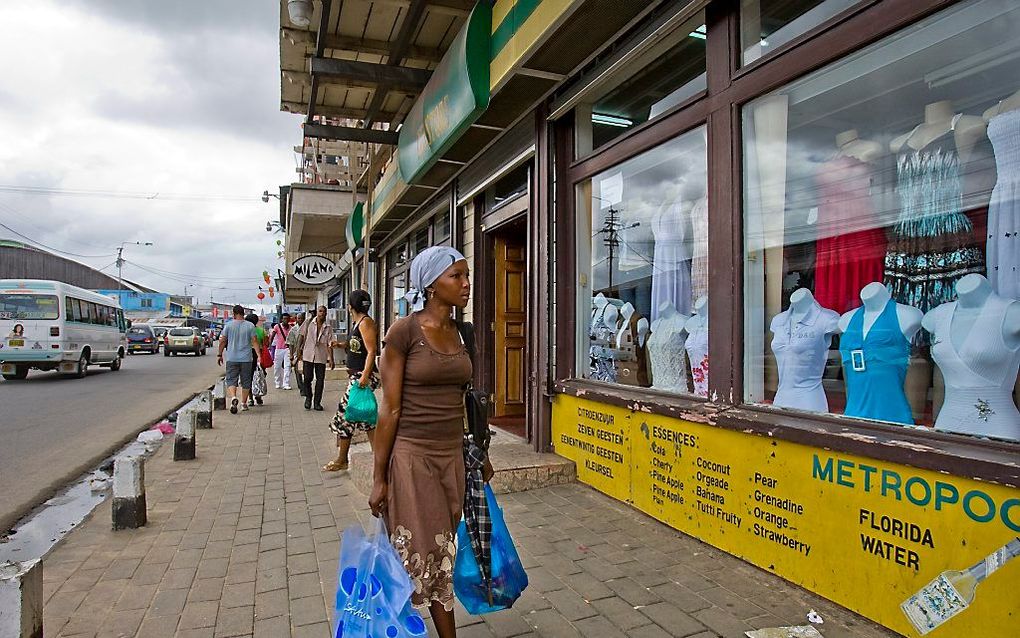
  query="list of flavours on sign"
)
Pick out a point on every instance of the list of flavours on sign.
point(704, 484)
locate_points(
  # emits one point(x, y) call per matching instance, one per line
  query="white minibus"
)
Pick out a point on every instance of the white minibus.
point(49, 325)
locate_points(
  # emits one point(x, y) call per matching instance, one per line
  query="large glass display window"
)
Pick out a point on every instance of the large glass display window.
point(882, 230)
point(660, 76)
point(643, 259)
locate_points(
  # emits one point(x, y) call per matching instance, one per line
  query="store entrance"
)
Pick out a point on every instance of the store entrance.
point(509, 326)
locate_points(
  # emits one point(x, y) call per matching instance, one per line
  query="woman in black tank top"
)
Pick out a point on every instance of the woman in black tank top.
point(361, 346)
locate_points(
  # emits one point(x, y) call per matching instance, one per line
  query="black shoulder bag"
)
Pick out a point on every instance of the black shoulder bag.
point(476, 402)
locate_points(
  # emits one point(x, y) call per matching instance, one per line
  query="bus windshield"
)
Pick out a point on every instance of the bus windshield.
point(23, 306)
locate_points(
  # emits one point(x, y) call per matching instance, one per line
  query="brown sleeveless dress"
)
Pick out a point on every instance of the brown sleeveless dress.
point(426, 472)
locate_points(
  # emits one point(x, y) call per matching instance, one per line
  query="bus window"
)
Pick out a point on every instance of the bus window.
point(24, 306)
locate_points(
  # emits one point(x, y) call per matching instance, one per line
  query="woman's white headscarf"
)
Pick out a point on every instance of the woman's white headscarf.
point(426, 269)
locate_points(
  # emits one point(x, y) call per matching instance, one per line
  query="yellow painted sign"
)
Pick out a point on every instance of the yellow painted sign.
point(863, 533)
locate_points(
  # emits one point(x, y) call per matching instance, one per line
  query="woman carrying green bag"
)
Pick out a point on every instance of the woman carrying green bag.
point(361, 348)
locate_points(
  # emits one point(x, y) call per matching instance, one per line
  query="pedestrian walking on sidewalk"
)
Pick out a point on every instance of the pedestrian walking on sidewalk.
point(236, 344)
point(293, 347)
point(259, 386)
point(281, 357)
point(315, 355)
point(419, 478)
point(361, 349)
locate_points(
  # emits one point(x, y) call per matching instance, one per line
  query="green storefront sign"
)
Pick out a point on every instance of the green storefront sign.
point(356, 227)
point(456, 94)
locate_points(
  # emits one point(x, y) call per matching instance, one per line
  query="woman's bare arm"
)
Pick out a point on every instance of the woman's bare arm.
point(392, 368)
point(369, 336)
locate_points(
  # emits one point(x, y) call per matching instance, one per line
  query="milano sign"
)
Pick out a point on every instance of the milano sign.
point(313, 270)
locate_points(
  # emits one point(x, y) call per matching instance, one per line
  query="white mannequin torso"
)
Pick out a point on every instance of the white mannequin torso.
point(1011, 103)
point(801, 338)
point(976, 344)
point(973, 292)
point(642, 331)
point(700, 316)
point(875, 296)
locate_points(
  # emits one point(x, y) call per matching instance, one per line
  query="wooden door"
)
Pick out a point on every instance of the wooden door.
point(509, 326)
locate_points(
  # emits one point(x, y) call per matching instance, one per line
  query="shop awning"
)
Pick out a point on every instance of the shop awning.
point(533, 46)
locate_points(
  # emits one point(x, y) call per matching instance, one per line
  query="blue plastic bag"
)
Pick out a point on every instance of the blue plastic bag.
point(361, 405)
point(509, 579)
point(373, 594)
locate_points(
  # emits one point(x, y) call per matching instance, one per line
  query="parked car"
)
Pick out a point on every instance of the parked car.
point(183, 340)
point(142, 338)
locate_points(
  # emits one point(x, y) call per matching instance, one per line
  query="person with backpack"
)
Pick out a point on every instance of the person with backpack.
point(281, 357)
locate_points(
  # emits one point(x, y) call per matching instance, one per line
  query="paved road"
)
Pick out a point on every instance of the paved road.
point(53, 428)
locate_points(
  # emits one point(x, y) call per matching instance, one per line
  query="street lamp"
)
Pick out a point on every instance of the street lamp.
point(266, 195)
point(120, 260)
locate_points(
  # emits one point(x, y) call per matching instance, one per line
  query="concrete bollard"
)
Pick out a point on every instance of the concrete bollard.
point(129, 493)
point(21, 600)
point(184, 439)
point(205, 410)
point(220, 395)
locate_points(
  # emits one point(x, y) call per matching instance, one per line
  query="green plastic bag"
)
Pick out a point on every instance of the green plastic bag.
point(361, 405)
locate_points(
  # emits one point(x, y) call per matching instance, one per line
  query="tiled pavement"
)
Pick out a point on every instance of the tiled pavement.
point(243, 541)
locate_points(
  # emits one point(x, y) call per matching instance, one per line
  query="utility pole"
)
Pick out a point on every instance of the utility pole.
point(120, 266)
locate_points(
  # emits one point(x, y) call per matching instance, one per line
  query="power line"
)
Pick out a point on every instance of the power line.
point(22, 219)
point(228, 280)
point(56, 250)
point(153, 195)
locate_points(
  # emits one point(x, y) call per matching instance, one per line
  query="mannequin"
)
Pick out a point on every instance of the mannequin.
point(642, 332)
point(625, 328)
point(671, 273)
point(1002, 248)
point(976, 345)
point(875, 349)
point(598, 302)
point(938, 120)
point(602, 366)
point(802, 336)
point(666, 350)
point(851, 245)
point(1011, 103)
point(850, 145)
point(932, 241)
point(632, 366)
point(697, 346)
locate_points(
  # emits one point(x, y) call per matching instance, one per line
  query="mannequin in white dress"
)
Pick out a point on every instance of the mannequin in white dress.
point(697, 346)
point(666, 349)
point(802, 336)
point(976, 345)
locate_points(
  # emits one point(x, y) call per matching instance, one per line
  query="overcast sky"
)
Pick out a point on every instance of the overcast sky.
point(175, 97)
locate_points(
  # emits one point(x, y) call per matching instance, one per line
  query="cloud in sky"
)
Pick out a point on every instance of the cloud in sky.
point(174, 98)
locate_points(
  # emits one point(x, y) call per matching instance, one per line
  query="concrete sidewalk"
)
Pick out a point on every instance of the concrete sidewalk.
point(243, 541)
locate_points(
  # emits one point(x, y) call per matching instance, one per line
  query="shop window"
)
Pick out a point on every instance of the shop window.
point(441, 223)
point(643, 251)
point(661, 76)
point(765, 25)
point(882, 230)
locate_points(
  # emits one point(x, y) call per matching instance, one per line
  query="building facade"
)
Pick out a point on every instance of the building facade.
point(751, 265)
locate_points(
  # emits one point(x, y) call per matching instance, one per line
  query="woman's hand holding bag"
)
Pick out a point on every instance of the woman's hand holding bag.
point(361, 405)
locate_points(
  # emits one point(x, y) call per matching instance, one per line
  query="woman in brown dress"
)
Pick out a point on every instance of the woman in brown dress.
point(419, 465)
